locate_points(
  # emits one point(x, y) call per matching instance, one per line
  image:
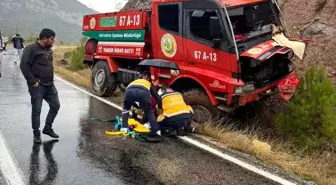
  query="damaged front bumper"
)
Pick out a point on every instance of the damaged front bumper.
point(285, 87)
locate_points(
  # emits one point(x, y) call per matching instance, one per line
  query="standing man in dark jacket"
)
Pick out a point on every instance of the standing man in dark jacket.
point(37, 68)
point(18, 45)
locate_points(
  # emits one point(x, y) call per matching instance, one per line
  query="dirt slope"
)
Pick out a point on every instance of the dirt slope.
point(315, 19)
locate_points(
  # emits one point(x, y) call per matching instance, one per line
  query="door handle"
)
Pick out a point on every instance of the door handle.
point(191, 63)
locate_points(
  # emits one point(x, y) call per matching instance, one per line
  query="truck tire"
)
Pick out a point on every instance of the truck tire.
point(103, 82)
point(204, 111)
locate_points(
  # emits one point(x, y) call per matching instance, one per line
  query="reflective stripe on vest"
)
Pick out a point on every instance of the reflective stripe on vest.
point(173, 104)
point(141, 82)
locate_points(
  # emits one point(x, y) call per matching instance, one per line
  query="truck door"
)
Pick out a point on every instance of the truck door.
point(199, 44)
point(167, 32)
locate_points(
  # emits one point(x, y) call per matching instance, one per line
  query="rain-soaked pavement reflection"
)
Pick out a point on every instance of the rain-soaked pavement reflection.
point(52, 169)
point(85, 155)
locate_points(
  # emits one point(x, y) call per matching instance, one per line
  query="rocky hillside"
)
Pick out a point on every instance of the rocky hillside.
point(30, 16)
point(119, 4)
point(313, 19)
point(137, 4)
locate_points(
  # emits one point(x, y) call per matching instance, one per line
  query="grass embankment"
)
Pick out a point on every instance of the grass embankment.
point(80, 77)
point(318, 165)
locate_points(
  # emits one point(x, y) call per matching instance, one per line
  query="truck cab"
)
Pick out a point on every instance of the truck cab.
point(224, 50)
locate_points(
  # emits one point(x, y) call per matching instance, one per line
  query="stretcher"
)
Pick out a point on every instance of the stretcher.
point(137, 130)
point(134, 125)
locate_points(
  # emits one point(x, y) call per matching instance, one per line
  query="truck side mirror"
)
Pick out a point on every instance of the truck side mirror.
point(215, 31)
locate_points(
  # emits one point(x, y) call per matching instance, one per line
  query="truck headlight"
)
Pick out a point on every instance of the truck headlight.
point(238, 90)
point(248, 87)
point(245, 88)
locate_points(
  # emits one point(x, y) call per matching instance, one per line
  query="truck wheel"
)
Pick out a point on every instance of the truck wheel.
point(204, 111)
point(103, 82)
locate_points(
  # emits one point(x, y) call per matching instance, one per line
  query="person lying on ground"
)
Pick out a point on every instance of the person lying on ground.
point(138, 114)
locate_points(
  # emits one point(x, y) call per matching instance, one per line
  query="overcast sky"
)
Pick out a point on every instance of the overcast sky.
point(101, 5)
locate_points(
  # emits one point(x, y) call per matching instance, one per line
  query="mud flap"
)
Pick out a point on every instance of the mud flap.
point(287, 87)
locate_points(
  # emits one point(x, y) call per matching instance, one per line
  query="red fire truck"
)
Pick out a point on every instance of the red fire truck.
point(224, 50)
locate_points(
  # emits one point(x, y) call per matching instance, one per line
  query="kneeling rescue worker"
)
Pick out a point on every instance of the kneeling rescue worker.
point(176, 114)
point(140, 90)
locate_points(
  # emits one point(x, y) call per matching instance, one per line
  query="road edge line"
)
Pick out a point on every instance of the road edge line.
point(8, 164)
point(237, 161)
point(191, 141)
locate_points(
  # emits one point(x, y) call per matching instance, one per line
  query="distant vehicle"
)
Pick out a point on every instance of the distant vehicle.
point(2, 44)
point(3, 41)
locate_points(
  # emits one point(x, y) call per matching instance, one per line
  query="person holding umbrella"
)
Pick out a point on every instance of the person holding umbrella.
point(176, 114)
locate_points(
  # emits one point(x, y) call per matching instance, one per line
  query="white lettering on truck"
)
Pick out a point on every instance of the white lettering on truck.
point(128, 21)
point(205, 56)
point(108, 50)
point(118, 50)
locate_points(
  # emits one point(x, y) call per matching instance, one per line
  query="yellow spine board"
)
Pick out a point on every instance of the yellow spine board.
point(138, 127)
point(114, 133)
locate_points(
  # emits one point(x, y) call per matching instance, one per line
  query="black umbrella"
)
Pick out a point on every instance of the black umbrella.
point(159, 63)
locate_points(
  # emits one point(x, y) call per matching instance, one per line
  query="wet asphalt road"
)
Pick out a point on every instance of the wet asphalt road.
point(85, 155)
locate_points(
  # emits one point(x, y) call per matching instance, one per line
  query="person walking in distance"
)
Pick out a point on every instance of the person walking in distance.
point(37, 68)
point(18, 46)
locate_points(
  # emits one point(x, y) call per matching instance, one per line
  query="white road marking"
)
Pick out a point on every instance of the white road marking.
point(220, 154)
point(237, 161)
point(8, 165)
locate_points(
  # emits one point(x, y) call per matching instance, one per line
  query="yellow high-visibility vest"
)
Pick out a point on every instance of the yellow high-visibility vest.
point(140, 82)
point(173, 105)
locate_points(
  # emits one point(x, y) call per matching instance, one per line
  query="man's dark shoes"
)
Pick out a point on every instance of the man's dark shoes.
point(37, 139)
point(50, 132)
